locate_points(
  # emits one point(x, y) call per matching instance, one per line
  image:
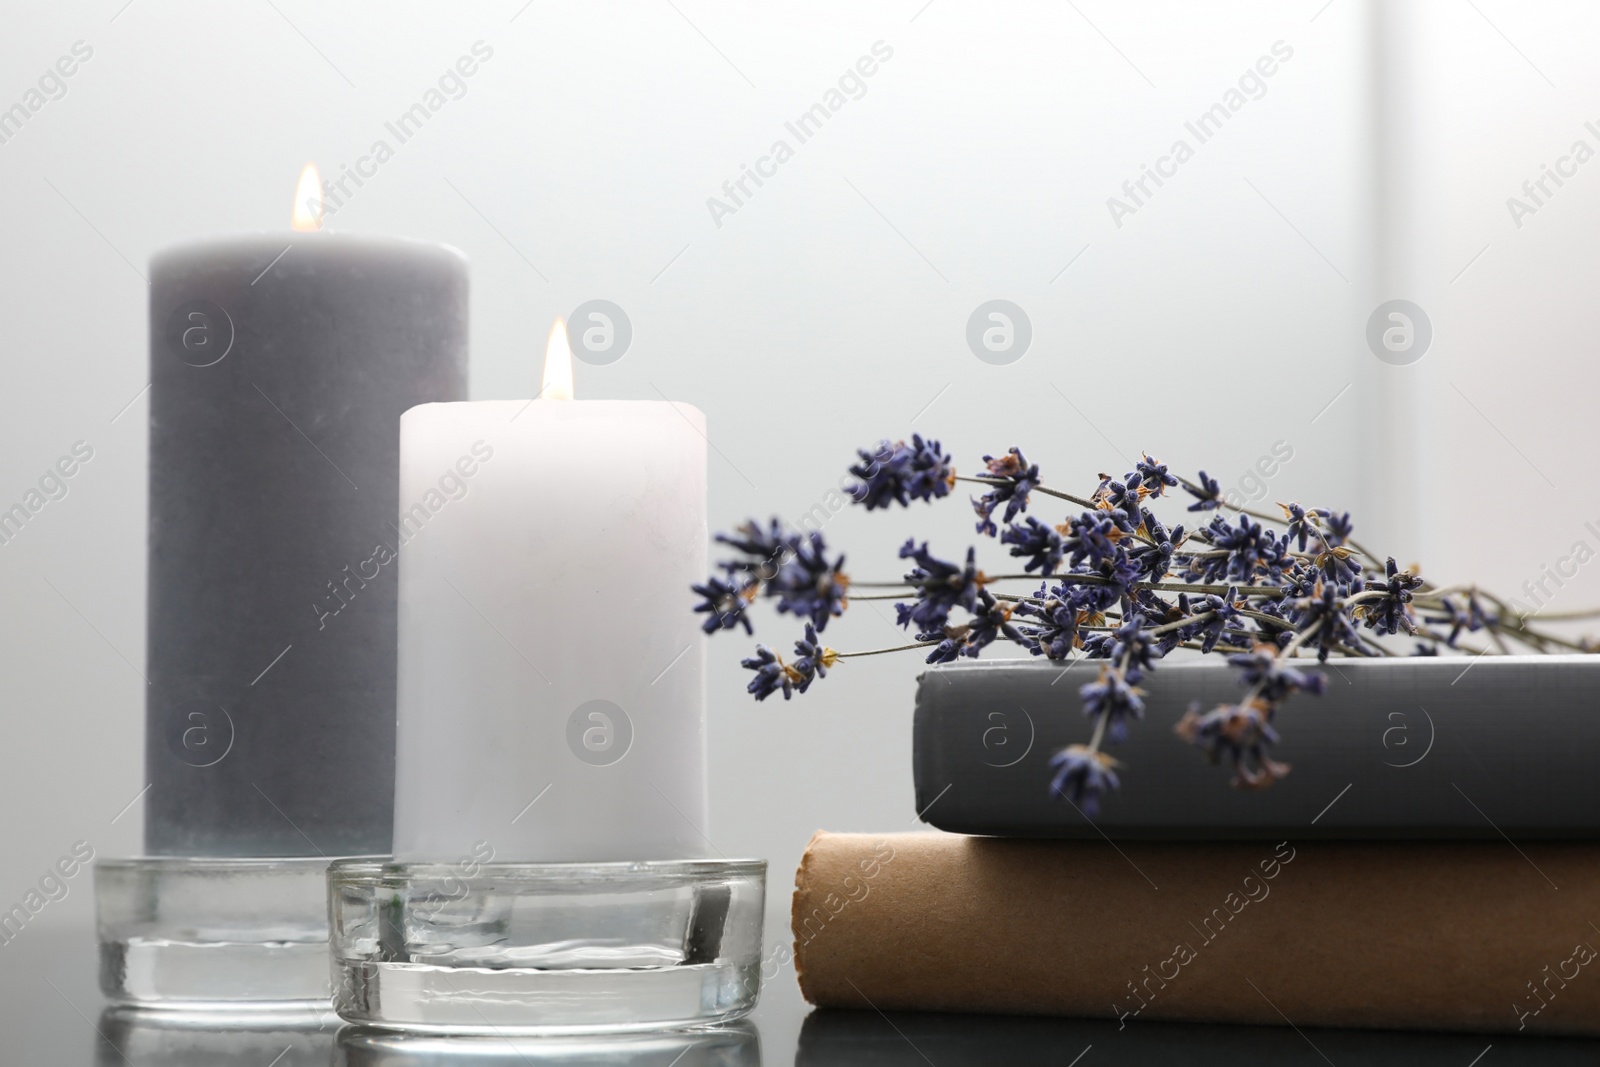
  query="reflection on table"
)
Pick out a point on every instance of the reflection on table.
point(912, 1039)
point(301, 1039)
point(827, 1039)
point(206, 1039)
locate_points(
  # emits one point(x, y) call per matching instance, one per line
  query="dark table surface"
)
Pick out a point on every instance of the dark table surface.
point(51, 1014)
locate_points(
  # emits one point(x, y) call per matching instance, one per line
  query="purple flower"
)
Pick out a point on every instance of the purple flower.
point(1471, 617)
point(940, 586)
point(1096, 536)
point(1098, 645)
point(1240, 553)
point(1338, 566)
point(1272, 679)
point(764, 550)
point(812, 660)
point(1335, 558)
point(1154, 475)
point(1301, 581)
point(1335, 529)
point(1325, 618)
point(725, 604)
point(1013, 478)
point(808, 585)
point(1155, 560)
point(1224, 612)
point(1133, 649)
point(900, 473)
point(1038, 542)
point(772, 674)
point(794, 567)
point(991, 620)
point(1082, 777)
point(1112, 697)
point(1240, 732)
point(1391, 614)
point(1056, 632)
point(1299, 527)
point(1208, 494)
point(1125, 494)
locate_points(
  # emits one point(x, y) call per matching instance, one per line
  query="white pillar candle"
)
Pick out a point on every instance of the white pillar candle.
point(551, 693)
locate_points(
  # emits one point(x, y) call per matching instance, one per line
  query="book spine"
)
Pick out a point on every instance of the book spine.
point(1394, 749)
point(1404, 935)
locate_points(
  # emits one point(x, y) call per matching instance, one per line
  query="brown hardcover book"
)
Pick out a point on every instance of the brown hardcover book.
point(1433, 935)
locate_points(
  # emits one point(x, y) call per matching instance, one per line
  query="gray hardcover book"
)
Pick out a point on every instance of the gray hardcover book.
point(1492, 748)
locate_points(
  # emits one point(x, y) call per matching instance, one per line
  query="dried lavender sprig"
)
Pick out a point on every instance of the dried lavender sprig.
point(1318, 594)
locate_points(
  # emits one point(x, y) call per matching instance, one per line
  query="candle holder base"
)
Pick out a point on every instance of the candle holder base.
point(546, 948)
point(214, 934)
point(298, 1038)
point(735, 1045)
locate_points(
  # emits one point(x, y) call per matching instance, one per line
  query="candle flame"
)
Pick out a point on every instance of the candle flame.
point(557, 364)
point(308, 201)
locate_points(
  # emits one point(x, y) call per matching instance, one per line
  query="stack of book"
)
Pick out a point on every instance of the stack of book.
point(1432, 861)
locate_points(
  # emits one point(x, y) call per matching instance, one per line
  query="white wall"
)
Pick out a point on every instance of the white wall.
point(1503, 475)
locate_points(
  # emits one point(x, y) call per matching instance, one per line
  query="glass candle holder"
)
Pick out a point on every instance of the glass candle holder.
point(214, 933)
point(546, 948)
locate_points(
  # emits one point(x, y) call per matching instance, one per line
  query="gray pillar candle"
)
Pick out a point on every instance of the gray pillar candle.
point(279, 369)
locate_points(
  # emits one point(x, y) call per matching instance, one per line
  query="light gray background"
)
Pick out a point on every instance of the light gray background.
point(1225, 315)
